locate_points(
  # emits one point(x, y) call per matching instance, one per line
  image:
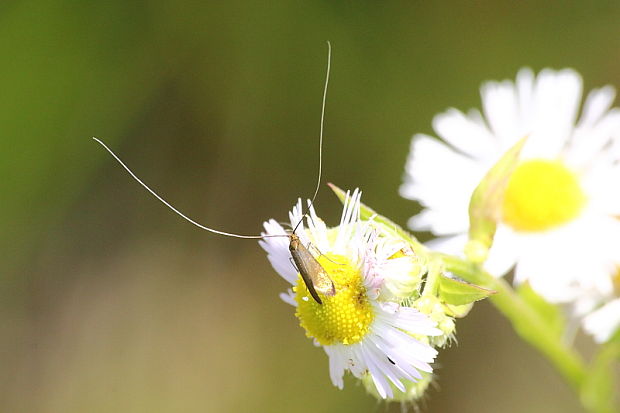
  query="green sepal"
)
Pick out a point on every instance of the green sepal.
point(388, 225)
point(550, 313)
point(486, 201)
point(458, 311)
point(459, 292)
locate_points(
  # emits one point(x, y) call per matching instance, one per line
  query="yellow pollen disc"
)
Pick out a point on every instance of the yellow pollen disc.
point(344, 317)
point(541, 194)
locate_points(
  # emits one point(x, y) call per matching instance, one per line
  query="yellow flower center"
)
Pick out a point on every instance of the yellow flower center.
point(541, 194)
point(344, 317)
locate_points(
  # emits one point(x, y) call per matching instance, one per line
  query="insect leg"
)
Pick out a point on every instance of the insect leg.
point(292, 261)
point(320, 254)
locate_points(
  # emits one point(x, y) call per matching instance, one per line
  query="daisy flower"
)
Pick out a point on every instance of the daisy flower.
point(558, 224)
point(362, 327)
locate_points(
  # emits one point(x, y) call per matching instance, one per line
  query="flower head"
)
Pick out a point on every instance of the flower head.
point(558, 223)
point(365, 326)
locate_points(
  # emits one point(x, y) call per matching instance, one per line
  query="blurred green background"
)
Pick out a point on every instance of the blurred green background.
point(111, 303)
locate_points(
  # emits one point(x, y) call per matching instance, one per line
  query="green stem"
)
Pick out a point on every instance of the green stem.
point(528, 324)
point(599, 391)
point(432, 279)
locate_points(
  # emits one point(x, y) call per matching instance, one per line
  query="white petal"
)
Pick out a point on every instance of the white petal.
point(379, 358)
point(567, 262)
point(555, 104)
point(382, 385)
point(598, 184)
point(317, 231)
point(604, 322)
point(503, 253)
point(387, 353)
point(596, 105)
point(277, 251)
point(440, 222)
point(289, 297)
point(501, 108)
point(436, 174)
point(590, 141)
point(449, 245)
point(441, 180)
point(468, 134)
point(337, 364)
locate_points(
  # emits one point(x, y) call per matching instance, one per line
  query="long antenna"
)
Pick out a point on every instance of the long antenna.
point(318, 181)
point(329, 61)
point(228, 234)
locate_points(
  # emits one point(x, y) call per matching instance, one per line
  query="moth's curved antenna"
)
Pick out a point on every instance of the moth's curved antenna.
point(318, 181)
point(229, 234)
point(185, 217)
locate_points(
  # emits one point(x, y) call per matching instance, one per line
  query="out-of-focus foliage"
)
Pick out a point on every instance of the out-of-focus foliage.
point(111, 303)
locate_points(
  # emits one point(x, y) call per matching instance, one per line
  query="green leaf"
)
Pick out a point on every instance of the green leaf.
point(458, 292)
point(550, 313)
point(486, 201)
point(388, 225)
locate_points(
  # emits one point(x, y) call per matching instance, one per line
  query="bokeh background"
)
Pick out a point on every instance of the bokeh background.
point(111, 303)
